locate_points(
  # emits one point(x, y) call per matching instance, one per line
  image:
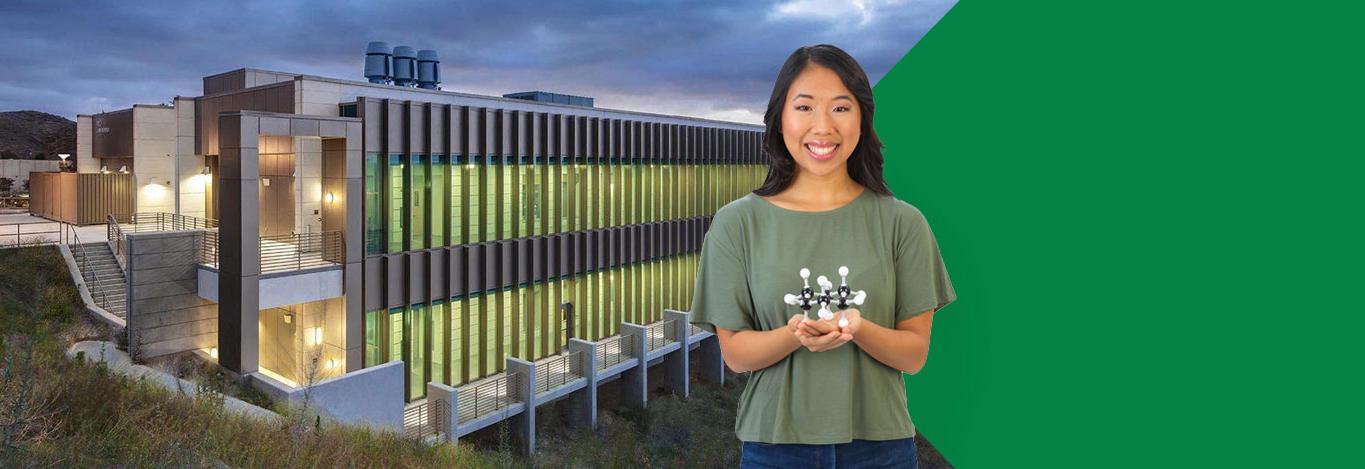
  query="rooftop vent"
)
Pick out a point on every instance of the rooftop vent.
point(404, 66)
point(428, 70)
point(379, 62)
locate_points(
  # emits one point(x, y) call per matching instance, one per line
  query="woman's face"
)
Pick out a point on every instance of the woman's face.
point(821, 122)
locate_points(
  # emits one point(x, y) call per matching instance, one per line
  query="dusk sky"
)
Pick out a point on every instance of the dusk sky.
point(704, 59)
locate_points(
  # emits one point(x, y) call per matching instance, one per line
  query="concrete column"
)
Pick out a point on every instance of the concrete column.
point(449, 416)
point(711, 362)
point(584, 402)
point(239, 248)
point(524, 424)
point(675, 364)
point(635, 381)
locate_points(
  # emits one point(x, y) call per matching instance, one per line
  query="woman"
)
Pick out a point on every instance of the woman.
point(821, 394)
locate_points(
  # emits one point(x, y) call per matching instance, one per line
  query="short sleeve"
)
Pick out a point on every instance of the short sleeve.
point(721, 297)
point(921, 279)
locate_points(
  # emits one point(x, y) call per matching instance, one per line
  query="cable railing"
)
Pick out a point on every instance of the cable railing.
point(557, 371)
point(614, 350)
point(425, 419)
point(163, 221)
point(300, 251)
point(487, 396)
point(208, 249)
point(660, 334)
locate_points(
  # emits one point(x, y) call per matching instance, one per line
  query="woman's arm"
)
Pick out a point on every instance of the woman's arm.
point(904, 348)
point(750, 350)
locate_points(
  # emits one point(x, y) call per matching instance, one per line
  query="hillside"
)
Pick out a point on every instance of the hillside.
point(35, 135)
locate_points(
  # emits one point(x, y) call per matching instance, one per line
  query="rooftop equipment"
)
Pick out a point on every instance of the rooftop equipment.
point(428, 70)
point(379, 62)
point(404, 66)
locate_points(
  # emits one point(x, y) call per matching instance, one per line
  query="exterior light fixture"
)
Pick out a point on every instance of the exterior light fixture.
point(104, 169)
point(329, 198)
point(314, 335)
point(331, 363)
point(63, 156)
point(123, 169)
point(213, 352)
point(206, 171)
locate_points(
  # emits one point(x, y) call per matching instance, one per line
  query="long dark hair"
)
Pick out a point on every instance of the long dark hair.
point(864, 164)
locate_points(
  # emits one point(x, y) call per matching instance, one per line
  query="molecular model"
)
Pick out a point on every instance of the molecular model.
point(807, 297)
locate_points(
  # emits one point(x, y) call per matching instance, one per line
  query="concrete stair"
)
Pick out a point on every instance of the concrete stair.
point(103, 276)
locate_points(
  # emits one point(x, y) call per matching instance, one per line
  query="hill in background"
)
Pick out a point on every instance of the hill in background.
point(35, 135)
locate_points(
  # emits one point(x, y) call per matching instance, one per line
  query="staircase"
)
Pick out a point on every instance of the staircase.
point(103, 276)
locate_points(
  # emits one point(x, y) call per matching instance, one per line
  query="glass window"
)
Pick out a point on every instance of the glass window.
point(374, 333)
point(416, 322)
point(417, 227)
point(439, 204)
point(440, 328)
point(395, 334)
point(458, 341)
point(476, 212)
point(374, 204)
point(397, 191)
point(476, 336)
point(508, 209)
point(457, 210)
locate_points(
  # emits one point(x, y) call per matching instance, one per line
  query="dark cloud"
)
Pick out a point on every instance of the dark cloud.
point(710, 59)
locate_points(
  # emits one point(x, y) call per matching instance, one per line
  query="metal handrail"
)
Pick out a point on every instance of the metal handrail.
point(19, 232)
point(558, 371)
point(208, 249)
point(300, 251)
point(425, 419)
point(117, 240)
point(92, 283)
point(614, 350)
point(163, 221)
point(484, 397)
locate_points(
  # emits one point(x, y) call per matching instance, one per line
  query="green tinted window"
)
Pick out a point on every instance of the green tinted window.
point(397, 191)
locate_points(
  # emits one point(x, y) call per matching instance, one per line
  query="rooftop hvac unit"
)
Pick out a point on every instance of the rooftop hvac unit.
point(404, 66)
point(428, 70)
point(379, 62)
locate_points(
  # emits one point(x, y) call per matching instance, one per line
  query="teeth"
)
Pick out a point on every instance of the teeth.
point(820, 150)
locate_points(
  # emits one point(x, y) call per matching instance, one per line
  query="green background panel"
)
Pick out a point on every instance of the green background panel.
point(1152, 216)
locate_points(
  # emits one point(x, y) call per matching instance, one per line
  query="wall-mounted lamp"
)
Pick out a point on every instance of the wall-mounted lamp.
point(265, 182)
point(104, 169)
point(123, 169)
point(63, 156)
point(213, 352)
point(329, 198)
point(331, 363)
point(314, 335)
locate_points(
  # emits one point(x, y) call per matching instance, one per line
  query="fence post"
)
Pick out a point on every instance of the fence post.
point(635, 381)
point(446, 413)
point(675, 364)
point(584, 401)
point(524, 424)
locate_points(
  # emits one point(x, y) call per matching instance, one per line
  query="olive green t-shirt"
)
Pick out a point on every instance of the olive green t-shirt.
point(751, 257)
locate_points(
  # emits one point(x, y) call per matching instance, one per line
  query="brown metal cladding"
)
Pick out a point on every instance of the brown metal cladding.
point(458, 131)
point(474, 125)
point(458, 268)
point(438, 268)
point(492, 132)
point(437, 138)
point(394, 271)
point(417, 277)
point(475, 273)
point(374, 281)
point(416, 127)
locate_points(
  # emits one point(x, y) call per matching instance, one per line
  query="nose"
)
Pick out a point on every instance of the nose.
point(823, 124)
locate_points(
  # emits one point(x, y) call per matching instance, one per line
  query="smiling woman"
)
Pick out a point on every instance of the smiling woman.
point(822, 393)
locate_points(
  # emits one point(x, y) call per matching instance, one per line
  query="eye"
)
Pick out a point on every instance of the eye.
point(842, 108)
point(803, 107)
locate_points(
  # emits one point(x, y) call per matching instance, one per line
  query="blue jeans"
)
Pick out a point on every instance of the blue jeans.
point(854, 454)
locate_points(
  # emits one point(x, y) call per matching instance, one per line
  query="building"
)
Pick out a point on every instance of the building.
point(303, 229)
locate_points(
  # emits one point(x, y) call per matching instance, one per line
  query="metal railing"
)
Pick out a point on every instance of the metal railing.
point(208, 249)
point(14, 201)
point(484, 397)
point(300, 251)
point(558, 371)
point(32, 233)
point(118, 242)
point(660, 334)
point(693, 330)
point(614, 350)
point(92, 278)
point(163, 221)
point(425, 419)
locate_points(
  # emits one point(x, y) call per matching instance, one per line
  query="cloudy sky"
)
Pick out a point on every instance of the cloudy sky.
point(701, 58)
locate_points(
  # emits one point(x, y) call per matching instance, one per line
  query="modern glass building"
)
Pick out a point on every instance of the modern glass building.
point(333, 227)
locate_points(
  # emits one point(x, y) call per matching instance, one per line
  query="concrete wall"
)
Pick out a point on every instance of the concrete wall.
point(154, 154)
point(190, 181)
point(85, 150)
point(165, 313)
point(18, 170)
point(371, 397)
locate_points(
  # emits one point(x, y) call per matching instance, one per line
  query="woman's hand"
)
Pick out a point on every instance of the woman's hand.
point(819, 335)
